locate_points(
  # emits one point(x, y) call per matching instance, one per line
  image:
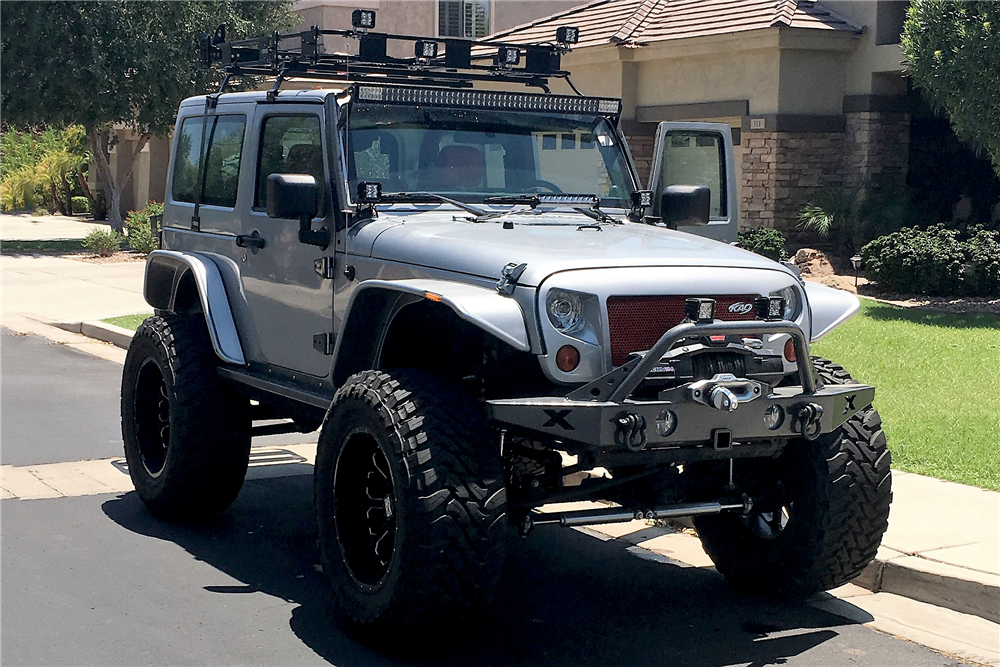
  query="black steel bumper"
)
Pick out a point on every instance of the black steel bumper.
point(601, 415)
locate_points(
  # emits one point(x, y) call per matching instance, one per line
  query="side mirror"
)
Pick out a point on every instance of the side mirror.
point(297, 196)
point(292, 196)
point(683, 205)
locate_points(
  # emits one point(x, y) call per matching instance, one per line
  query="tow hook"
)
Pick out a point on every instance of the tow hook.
point(807, 420)
point(725, 391)
point(630, 431)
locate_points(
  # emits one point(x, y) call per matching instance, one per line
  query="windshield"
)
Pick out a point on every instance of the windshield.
point(471, 154)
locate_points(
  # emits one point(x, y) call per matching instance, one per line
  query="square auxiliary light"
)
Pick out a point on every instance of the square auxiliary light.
point(363, 18)
point(567, 35)
point(508, 56)
point(369, 192)
point(424, 48)
point(700, 310)
point(642, 198)
point(770, 308)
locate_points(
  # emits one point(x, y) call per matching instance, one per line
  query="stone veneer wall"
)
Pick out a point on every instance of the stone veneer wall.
point(782, 171)
point(641, 147)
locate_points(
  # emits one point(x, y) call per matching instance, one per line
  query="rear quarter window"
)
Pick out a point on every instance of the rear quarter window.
point(223, 155)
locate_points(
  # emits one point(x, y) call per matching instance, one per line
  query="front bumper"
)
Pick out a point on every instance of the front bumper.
point(602, 416)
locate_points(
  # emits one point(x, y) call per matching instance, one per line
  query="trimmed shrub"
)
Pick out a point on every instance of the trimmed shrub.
point(764, 241)
point(103, 242)
point(936, 260)
point(81, 205)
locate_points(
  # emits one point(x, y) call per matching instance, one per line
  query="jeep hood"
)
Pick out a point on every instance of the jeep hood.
point(547, 243)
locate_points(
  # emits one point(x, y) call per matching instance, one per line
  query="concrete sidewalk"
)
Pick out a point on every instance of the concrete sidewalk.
point(943, 543)
point(27, 227)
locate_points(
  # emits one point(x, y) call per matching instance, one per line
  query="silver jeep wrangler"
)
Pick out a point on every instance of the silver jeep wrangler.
point(469, 293)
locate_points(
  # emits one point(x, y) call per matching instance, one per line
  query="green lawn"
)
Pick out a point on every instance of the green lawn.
point(59, 245)
point(937, 379)
point(128, 321)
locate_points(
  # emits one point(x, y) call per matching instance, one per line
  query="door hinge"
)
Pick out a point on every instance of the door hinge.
point(324, 267)
point(324, 342)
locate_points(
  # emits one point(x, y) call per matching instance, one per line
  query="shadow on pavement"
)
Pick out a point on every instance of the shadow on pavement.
point(567, 598)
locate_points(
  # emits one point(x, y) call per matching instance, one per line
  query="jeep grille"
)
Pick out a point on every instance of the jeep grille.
point(637, 322)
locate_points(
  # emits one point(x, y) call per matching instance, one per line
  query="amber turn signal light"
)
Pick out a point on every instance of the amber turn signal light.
point(567, 358)
point(790, 349)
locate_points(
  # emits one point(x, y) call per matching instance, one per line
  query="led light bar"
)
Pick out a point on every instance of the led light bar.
point(488, 100)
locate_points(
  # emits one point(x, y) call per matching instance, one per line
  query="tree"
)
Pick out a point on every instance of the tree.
point(100, 64)
point(952, 51)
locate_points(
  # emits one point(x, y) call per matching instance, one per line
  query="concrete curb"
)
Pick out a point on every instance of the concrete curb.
point(102, 331)
point(939, 584)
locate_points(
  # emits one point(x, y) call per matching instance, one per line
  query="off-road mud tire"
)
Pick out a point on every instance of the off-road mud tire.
point(449, 502)
point(172, 397)
point(839, 487)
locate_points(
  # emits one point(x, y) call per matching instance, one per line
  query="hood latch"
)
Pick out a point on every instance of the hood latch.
point(509, 276)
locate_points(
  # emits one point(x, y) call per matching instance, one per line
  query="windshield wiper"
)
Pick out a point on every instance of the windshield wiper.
point(424, 196)
point(595, 213)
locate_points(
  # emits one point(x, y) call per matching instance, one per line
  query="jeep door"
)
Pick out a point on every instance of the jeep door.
point(289, 303)
point(699, 154)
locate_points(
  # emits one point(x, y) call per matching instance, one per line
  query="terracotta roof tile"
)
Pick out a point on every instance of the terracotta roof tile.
point(638, 22)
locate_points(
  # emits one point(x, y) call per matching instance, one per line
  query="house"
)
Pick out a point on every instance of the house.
point(814, 91)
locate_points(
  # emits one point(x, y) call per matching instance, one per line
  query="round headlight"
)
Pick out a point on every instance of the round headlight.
point(793, 302)
point(565, 310)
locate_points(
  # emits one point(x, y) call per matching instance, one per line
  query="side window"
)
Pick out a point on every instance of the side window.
point(696, 158)
point(223, 153)
point(290, 145)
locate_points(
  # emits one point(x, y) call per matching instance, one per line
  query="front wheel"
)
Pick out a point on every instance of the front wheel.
point(410, 500)
point(822, 516)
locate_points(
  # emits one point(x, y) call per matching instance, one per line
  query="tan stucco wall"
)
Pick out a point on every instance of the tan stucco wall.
point(419, 17)
point(868, 57)
point(811, 82)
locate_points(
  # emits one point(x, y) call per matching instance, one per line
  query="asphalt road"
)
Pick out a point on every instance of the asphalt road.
point(96, 580)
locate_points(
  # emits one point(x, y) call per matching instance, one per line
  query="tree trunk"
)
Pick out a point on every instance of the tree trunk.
point(67, 195)
point(113, 191)
point(56, 202)
point(87, 193)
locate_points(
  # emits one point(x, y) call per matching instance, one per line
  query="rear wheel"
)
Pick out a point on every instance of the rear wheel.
point(822, 516)
point(186, 432)
point(410, 501)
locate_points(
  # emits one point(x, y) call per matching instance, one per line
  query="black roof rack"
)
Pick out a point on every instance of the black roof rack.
point(440, 61)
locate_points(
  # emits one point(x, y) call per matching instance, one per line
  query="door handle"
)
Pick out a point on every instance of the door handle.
point(254, 241)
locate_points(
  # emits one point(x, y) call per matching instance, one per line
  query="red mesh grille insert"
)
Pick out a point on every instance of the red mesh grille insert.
point(637, 322)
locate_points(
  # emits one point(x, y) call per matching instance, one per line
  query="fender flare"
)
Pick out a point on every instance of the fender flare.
point(829, 308)
point(497, 315)
point(166, 269)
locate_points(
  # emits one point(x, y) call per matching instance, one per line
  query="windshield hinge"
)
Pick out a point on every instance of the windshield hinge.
point(509, 276)
point(324, 267)
point(324, 342)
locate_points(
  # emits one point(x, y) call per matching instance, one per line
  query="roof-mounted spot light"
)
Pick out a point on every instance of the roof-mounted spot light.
point(700, 310)
point(568, 34)
point(363, 19)
point(508, 56)
point(425, 49)
point(369, 192)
